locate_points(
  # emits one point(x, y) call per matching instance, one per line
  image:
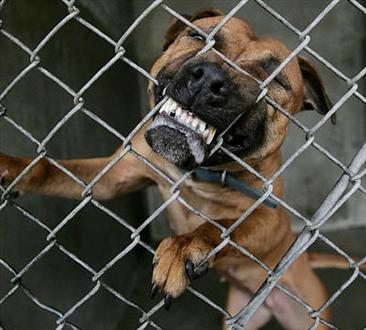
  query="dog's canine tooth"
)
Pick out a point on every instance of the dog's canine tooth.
point(173, 106)
point(172, 102)
point(211, 135)
point(164, 107)
point(169, 100)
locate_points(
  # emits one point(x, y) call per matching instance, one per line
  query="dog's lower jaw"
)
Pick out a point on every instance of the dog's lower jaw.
point(181, 150)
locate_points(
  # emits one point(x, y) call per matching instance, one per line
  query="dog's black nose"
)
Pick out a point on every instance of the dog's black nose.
point(209, 78)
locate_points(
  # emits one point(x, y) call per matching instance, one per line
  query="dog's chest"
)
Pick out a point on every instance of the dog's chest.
point(211, 200)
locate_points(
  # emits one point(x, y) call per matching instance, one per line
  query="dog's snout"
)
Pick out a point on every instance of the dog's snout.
point(209, 78)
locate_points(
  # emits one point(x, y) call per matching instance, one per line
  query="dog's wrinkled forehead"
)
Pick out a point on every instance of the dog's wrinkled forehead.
point(234, 32)
point(179, 39)
point(237, 41)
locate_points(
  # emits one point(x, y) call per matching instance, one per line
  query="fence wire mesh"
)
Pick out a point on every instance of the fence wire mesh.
point(343, 189)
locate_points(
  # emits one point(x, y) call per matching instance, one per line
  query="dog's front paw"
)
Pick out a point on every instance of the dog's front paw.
point(175, 264)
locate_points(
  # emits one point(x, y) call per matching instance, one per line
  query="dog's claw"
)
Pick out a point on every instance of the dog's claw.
point(191, 273)
point(203, 272)
point(154, 290)
point(190, 270)
point(167, 302)
point(175, 269)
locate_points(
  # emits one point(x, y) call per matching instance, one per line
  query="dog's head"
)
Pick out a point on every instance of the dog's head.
point(206, 95)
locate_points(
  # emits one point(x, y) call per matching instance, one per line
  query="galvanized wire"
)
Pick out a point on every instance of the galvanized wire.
point(347, 184)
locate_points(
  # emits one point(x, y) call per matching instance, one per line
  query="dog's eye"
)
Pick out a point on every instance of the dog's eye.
point(269, 65)
point(196, 35)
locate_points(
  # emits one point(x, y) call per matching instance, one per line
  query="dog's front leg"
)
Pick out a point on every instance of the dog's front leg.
point(177, 257)
point(125, 176)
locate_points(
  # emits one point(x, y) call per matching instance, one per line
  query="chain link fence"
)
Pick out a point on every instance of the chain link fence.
point(344, 188)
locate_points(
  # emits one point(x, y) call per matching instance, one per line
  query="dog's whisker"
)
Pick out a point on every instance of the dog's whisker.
point(189, 269)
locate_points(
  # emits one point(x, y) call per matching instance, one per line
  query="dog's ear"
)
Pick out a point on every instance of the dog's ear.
point(174, 28)
point(315, 96)
point(177, 26)
point(203, 13)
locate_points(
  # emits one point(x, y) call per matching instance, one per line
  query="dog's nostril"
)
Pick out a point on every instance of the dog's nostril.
point(224, 90)
point(219, 88)
point(197, 72)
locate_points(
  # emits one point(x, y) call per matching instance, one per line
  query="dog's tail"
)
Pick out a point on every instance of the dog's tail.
point(328, 260)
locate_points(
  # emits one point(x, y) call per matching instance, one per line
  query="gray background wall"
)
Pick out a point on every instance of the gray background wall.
point(74, 55)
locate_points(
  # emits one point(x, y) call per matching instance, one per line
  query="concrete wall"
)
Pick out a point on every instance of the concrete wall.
point(74, 55)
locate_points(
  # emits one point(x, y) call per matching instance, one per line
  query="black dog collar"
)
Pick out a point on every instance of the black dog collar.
point(229, 179)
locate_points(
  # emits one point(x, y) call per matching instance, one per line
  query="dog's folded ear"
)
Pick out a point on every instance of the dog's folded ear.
point(315, 96)
point(211, 12)
point(177, 26)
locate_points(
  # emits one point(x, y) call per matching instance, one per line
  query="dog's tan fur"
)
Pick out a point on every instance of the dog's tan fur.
point(266, 233)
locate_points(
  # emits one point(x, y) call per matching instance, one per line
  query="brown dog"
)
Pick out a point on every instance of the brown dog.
point(205, 95)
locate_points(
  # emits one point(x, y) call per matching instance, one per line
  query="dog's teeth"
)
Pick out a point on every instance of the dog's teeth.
point(195, 122)
point(202, 126)
point(211, 135)
point(173, 106)
point(205, 133)
point(189, 119)
point(169, 101)
point(183, 116)
point(164, 107)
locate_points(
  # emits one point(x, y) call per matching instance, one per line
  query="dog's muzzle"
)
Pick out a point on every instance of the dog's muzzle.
point(179, 135)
